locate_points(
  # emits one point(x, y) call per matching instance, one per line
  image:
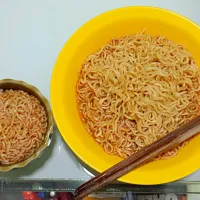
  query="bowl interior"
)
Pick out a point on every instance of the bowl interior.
point(87, 40)
point(7, 84)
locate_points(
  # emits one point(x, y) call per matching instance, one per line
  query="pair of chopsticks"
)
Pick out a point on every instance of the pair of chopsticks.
point(141, 157)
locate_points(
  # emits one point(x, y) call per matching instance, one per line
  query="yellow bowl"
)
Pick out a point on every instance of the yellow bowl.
point(87, 40)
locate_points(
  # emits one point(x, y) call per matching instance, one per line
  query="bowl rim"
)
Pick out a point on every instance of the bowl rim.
point(55, 111)
point(48, 136)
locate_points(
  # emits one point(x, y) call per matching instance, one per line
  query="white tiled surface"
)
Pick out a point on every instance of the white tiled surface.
point(31, 36)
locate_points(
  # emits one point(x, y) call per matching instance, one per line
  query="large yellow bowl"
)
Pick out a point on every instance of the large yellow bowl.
point(87, 40)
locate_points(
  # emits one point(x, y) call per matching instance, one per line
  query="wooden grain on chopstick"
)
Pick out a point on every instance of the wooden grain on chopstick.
point(141, 157)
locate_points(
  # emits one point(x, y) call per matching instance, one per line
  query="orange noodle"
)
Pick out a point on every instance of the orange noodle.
point(23, 125)
point(135, 90)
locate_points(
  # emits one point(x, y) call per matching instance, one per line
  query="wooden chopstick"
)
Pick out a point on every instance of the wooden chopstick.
point(141, 157)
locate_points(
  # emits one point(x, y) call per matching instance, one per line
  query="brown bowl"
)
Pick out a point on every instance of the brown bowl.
point(20, 85)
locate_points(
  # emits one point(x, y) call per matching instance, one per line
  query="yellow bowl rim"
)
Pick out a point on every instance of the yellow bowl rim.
point(76, 151)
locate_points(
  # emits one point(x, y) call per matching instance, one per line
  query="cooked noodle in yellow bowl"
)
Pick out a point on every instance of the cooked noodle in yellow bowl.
point(125, 79)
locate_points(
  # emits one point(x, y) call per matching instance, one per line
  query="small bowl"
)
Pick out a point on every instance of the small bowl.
point(7, 84)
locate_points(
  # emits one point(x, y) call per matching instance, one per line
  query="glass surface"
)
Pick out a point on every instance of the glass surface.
point(32, 34)
point(67, 185)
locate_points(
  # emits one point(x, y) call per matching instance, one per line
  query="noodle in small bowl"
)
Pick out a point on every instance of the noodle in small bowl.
point(26, 124)
point(125, 79)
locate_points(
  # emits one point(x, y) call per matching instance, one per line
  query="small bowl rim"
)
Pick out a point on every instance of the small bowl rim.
point(47, 140)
